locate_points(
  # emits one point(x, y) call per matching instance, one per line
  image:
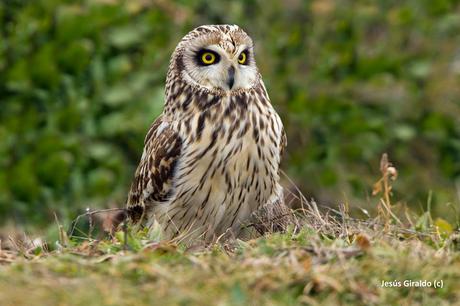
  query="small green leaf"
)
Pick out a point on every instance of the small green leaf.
point(444, 227)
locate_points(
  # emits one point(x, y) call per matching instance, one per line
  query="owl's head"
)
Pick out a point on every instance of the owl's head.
point(219, 58)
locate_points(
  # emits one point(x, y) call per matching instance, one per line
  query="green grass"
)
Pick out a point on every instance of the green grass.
point(330, 260)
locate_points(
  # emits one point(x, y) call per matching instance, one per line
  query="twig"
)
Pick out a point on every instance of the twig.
point(125, 236)
point(88, 214)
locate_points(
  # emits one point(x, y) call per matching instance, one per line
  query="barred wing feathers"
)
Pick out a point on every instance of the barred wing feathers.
point(153, 180)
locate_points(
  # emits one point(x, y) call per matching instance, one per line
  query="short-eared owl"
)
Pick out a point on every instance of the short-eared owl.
point(212, 157)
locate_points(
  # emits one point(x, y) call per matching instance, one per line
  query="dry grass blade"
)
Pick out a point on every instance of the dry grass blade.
point(110, 220)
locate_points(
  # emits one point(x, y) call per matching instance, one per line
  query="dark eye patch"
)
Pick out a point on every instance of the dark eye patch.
point(243, 58)
point(204, 54)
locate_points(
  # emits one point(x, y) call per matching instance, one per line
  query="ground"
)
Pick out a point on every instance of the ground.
point(331, 259)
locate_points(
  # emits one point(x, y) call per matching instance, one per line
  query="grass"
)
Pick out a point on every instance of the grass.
point(329, 258)
point(278, 269)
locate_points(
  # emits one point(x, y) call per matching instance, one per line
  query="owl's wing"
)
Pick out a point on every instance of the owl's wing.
point(283, 142)
point(154, 175)
point(275, 215)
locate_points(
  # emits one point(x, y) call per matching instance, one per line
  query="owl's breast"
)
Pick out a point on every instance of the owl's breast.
point(228, 169)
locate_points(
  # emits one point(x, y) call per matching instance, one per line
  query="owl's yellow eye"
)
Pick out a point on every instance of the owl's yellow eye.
point(242, 58)
point(208, 58)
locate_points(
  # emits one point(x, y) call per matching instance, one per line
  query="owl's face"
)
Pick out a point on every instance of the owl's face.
point(218, 58)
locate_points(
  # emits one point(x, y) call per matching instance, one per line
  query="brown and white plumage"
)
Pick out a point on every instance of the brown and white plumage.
point(212, 158)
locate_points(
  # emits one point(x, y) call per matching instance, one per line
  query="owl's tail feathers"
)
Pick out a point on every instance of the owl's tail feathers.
point(135, 213)
point(114, 219)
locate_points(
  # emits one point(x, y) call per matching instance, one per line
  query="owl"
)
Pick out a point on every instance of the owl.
point(212, 158)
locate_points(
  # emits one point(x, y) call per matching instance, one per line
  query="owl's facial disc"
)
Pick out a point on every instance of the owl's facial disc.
point(214, 67)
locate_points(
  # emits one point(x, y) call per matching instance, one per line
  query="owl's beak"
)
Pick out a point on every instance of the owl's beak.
point(231, 77)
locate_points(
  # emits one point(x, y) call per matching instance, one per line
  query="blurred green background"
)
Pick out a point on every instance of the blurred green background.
point(81, 81)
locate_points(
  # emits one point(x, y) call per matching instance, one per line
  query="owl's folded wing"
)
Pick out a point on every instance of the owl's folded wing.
point(154, 176)
point(283, 142)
